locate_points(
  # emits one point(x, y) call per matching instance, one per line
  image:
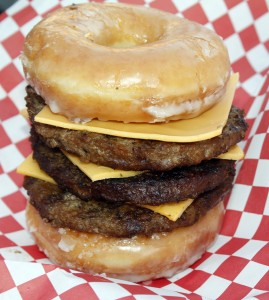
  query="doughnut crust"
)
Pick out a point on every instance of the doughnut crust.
point(124, 63)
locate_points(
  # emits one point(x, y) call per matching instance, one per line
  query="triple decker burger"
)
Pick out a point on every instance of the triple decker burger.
point(134, 139)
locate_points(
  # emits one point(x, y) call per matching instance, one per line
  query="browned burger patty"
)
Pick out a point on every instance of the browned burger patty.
point(63, 209)
point(148, 188)
point(136, 154)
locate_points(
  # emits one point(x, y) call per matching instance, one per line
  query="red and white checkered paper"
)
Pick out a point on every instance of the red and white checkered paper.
point(237, 265)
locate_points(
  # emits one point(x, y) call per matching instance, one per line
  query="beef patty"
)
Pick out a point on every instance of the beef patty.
point(147, 188)
point(135, 154)
point(63, 209)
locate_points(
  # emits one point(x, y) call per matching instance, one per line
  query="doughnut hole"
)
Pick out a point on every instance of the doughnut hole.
point(122, 33)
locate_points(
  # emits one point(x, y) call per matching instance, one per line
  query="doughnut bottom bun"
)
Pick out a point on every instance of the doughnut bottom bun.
point(134, 259)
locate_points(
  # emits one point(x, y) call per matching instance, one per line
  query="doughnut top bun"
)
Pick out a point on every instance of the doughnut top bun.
point(124, 63)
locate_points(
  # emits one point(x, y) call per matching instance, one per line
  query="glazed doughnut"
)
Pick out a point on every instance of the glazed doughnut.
point(135, 259)
point(124, 63)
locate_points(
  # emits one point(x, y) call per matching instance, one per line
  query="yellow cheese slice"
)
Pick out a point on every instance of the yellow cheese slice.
point(205, 126)
point(234, 153)
point(31, 168)
point(24, 113)
point(97, 172)
point(172, 211)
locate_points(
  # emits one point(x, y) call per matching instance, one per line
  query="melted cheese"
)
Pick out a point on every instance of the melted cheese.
point(31, 168)
point(24, 113)
point(205, 126)
point(234, 153)
point(172, 211)
point(97, 172)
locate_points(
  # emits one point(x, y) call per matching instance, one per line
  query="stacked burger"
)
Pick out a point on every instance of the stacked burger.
point(133, 136)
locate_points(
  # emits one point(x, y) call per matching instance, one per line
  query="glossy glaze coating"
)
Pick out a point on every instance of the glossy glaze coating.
point(124, 63)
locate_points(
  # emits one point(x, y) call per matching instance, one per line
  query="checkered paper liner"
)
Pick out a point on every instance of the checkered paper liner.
point(237, 265)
